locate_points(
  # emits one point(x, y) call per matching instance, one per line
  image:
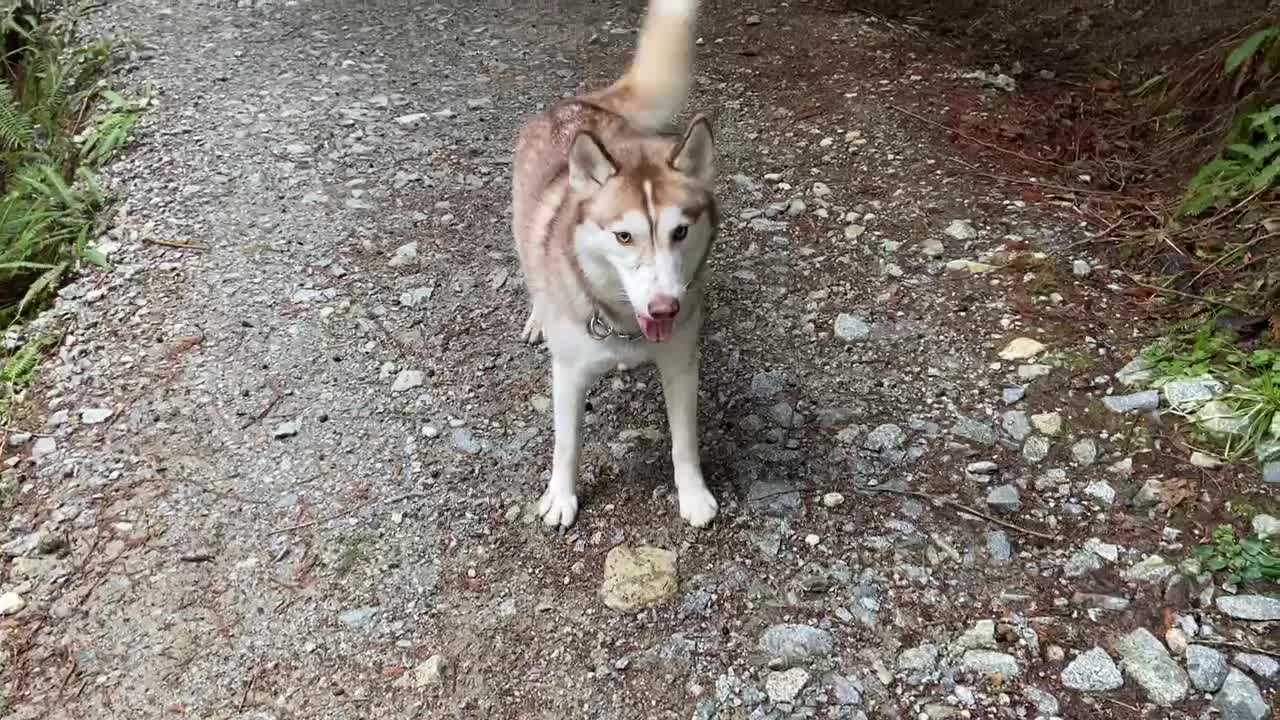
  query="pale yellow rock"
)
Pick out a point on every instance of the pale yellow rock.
point(1023, 348)
point(639, 578)
point(429, 673)
point(969, 266)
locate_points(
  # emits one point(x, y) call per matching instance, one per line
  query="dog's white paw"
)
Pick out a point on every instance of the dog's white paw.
point(558, 509)
point(698, 506)
point(532, 332)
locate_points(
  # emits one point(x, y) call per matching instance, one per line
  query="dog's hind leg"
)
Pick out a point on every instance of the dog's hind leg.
point(532, 332)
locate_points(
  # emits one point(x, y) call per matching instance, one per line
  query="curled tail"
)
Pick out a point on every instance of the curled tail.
point(656, 86)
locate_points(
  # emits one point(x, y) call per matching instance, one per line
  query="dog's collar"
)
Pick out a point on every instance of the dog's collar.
point(600, 329)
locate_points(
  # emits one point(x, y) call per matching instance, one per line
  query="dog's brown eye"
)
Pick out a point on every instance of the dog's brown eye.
point(623, 237)
point(681, 232)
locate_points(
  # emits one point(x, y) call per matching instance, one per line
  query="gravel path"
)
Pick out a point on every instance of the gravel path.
point(288, 473)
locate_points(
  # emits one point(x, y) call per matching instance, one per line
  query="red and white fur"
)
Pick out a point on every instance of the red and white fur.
point(613, 223)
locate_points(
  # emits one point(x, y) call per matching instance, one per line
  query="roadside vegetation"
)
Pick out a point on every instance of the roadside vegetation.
point(60, 123)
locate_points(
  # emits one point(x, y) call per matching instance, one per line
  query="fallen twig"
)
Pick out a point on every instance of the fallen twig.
point(344, 513)
point(938, 500)
point(1239, 646)
point(1190, 296)
point(71, 670)
point(1046, 185)
point(173, 244)
point(244, 697)
point(1126, 706)
point(809, 114)
point(972, 139)
point(275, 400)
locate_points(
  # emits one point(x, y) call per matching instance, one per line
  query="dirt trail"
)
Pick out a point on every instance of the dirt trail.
point(325, 437)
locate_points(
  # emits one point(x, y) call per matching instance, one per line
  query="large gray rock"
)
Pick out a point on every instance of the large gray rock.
point(767, 384)
point(1149, 495)
point(773, 497)
point(1137, 372)
point(978, 431)
point(923, 658)
point(845, 691)
point(1153, 569)
point(1092, 671)
point(885, 437)
point(1263, 666)
point(1239, 699)
point(982, 636)
point(1085, 452)
point(796, 644)
point(1046, 704)
point(1220, 419)
point(1102, 492)
point(999, 548)
point(1185, 394)
point(1206, 667)
point(1081, 563)
point(1004, 498)
point(1271, 473)
point(1133, 402)
point(989, 662)
point(851, 328)
point(1148, 662)
point(1258, 608)
point(1016, 425)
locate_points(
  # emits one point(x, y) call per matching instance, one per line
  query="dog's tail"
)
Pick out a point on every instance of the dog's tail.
point(656, 86)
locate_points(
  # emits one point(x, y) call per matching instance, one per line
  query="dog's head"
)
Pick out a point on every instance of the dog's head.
point(646, 219)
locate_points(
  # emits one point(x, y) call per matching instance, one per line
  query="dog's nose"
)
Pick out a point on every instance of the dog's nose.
point(663, 307)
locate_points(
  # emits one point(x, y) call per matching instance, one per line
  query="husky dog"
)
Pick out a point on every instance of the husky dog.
point(613, 222)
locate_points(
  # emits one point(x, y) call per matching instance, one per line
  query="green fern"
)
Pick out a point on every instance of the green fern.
point(1249, 164)
point(1261, 44)
point(19, 367)
point(16, 131)
point(56, 120)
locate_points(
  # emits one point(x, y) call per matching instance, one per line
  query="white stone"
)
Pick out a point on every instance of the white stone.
point(785, 686)
point(961, 230)
point(95, 416)
point(407, 380)
point(11, 603)
point(1022, 348)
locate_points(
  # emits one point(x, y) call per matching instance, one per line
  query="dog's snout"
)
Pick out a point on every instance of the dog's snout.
point(663, 307)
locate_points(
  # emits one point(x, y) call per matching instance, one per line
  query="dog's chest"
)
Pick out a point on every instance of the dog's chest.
point(602, 356)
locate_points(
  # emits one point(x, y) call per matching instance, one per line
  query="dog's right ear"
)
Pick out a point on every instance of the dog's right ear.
point(589, 164)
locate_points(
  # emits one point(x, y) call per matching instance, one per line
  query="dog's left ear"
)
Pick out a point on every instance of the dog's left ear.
point(695, 155)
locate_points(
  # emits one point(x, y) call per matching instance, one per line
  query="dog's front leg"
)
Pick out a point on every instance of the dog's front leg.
point(569, 383)
point(679, 369)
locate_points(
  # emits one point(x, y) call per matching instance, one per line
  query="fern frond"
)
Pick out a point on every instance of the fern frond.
point(16, 130)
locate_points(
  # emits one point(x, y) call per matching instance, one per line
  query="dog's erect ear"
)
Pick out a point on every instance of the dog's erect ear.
point(695, 155)
point(589, 164)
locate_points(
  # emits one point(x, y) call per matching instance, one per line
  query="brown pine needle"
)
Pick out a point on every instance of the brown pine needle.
point(939, 500)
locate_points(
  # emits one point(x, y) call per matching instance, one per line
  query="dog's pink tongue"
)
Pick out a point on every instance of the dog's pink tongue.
point(656, 330)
